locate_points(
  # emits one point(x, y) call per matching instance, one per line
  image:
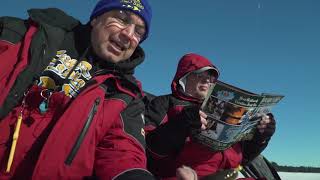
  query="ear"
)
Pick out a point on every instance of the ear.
point(93, 22)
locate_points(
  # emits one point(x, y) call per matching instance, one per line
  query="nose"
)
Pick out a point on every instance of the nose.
point(128, 32)
point(206, 79)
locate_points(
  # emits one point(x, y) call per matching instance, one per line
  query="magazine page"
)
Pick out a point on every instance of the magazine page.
point(264, 107)
point(233, 114)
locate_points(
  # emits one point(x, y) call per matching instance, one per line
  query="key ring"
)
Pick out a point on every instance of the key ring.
point(45, 94)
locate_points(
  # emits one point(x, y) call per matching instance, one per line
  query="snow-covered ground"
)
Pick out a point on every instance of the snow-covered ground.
point(299, 176)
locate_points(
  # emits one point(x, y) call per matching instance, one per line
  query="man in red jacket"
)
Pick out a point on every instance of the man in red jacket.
point(171, 117)
point(70, 107)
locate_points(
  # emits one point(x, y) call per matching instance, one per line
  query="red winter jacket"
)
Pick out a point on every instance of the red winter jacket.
point(164, 162)
point(51, 148)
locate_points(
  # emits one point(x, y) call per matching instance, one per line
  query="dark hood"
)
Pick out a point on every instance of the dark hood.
point(53, 17)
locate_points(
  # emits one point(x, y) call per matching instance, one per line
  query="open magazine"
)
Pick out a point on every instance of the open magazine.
point(233, 114)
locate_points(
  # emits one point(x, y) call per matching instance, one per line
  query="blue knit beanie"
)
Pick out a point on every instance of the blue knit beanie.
point(139, 7)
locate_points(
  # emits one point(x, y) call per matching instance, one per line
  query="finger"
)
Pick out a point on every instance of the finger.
point(261, 131)
point(203, 121)
point(185, 173)
point(265, 117)
point(265, 120)
point(270, 115)
point(262, 126)
point(202, 114)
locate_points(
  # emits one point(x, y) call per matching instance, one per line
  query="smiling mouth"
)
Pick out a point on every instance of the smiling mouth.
point(117, 46)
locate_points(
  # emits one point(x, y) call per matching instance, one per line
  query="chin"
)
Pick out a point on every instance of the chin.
point(114, 59)
point(201, 96)
point(111, 57)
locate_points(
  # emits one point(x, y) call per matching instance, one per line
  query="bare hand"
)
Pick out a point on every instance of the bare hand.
point(203, 120)
point(186, 173)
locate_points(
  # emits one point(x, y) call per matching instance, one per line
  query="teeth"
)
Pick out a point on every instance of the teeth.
point(118, 45)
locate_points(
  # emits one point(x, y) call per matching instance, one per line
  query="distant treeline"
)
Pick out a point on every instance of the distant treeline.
point(295, 169)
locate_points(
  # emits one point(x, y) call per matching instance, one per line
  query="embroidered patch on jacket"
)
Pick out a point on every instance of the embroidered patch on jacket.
point(135, 5)
point(58, 75)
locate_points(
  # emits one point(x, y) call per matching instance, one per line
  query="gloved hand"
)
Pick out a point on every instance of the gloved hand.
point(265, 128)
point(194, 117)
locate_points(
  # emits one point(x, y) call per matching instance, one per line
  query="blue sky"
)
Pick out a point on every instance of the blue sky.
point(260, 45)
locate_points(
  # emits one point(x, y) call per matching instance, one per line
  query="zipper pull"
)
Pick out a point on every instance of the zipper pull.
point(44, 105)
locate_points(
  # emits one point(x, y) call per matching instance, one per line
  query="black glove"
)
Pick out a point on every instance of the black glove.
point(262, 137)
point(169, 138)
point(190, 115)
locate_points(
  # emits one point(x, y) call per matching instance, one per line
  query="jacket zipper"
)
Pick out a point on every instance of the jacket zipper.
point(83, 132)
